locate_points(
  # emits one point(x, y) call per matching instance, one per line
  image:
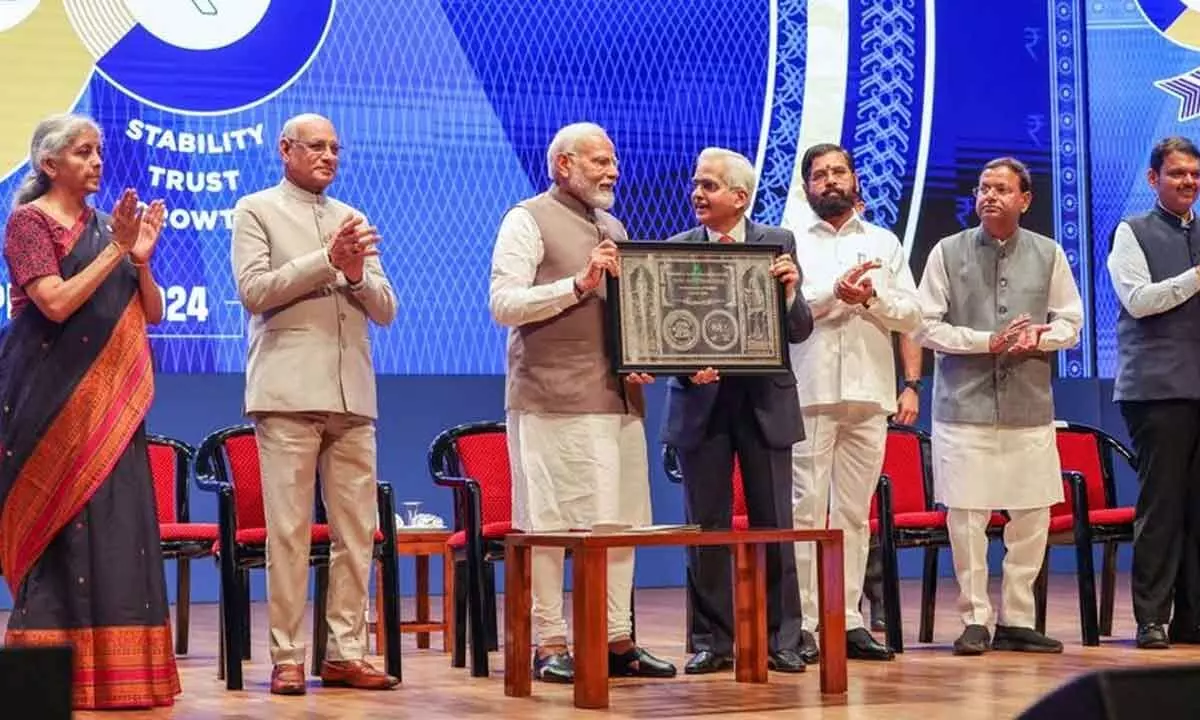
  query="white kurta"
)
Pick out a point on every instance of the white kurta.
point(569, 470)
point(986, 467)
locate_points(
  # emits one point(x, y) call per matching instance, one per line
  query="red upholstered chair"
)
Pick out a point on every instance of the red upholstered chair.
point(1089, 515)
point(181, 540)
point(228, 464)
point(903, 515)
point(472, 460)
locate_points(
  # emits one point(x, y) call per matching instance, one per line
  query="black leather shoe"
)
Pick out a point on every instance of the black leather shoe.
point(974, 640)
point(1021, 639)
point(786, 661)
point(556, 668)
point(636, 662)
point(706, 661)
point(860, 645)
point(809, 652)
point(1151, 636)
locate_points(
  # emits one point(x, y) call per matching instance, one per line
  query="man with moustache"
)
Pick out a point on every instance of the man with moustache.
point(307, 272)
point(997, 300)
point(576, 439)
point(860, 289)
point(1155, 269)
point(711, 420)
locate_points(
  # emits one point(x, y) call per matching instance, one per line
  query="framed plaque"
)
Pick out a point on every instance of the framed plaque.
point(680, 307)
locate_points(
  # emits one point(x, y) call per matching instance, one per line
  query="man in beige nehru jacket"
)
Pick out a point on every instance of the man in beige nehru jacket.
point(307, 271)
point(576, 440)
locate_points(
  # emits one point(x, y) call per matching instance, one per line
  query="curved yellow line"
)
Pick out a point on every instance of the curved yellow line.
point(45, 67)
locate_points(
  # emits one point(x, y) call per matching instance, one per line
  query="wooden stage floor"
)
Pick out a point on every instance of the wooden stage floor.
point(926, 682)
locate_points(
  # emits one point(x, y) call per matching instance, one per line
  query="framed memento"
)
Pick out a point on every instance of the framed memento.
point(679, 307)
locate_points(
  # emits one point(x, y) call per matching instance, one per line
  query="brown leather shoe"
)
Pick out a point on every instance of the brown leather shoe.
point(356, 674)
point(288, 679)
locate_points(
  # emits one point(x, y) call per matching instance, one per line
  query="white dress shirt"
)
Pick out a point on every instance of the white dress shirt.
point(513, 298)
point(1063, 304)
point(1130, 274)
point(848, 358)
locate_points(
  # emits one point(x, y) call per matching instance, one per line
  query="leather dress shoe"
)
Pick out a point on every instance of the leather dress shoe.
point(1151, 636)
point(636, 662)
point(358, 674)
point(860, 645)
point(975, 640)
point(707, 661)
point(288, 679)
point(554, 668)
point(1022, 639)
point(787, 661)
point(809, 652)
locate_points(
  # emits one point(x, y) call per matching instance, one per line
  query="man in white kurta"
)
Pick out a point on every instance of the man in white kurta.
point(576, 440)
point(859, 286)
point(996, 300)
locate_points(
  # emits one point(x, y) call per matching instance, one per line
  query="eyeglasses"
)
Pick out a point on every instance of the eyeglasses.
point(319, 147)
point(1000, 191)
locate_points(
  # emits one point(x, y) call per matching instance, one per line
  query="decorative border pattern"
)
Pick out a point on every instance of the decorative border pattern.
point(787, 103)
point(887, 101)
point(1070, 186)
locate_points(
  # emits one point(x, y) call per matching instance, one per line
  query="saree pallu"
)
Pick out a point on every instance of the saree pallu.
point(79, 541)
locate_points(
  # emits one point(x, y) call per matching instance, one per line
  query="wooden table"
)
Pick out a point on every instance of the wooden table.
point(590, 594)
point(420, 545)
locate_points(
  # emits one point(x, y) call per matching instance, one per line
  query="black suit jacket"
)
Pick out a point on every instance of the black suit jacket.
point(774, 399)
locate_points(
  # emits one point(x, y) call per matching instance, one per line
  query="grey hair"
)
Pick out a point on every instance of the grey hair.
point(289, 127)
point(736, 170)
point(50, 137)
point(567, 139)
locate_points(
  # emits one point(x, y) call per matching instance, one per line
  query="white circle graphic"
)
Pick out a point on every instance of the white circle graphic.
point(198, 24)
point(12, 12)
point(1192, 4)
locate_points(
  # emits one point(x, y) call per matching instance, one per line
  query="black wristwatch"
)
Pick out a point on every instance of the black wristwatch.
point(913, 384)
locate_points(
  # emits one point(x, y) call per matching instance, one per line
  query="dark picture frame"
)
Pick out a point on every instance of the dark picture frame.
point(680, 307)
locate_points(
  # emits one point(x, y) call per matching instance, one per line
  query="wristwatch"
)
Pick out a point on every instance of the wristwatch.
point(913, 384)
point(874, 296)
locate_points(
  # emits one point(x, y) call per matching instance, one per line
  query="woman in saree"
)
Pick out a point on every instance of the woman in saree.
point(79, 542)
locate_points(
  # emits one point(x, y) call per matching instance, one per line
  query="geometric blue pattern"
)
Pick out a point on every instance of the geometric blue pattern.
point(1070, 179)
point(787, 104)
point(888, 42)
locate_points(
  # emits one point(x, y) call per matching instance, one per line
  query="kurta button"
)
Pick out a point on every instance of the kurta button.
point(84, 338)
point(80, 580)
point(1003, 282)
point(1003, 309)
point(341, 316)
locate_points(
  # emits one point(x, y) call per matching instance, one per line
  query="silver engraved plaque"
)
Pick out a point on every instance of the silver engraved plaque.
point(677, 308)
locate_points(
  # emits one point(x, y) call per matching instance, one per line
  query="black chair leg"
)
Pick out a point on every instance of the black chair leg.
point(1108, 587)
point(633, 615)
point(232, 613)
point(891, 594)
point(220, 638)
point(320, 640)
point(183, 603)
point(244, 581)
point(458, 657)
point(929, 578)
point(489, 612)
point(1041, 588)
point(1086, 575)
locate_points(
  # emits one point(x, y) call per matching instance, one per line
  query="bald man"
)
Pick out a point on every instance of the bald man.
point(308, 274)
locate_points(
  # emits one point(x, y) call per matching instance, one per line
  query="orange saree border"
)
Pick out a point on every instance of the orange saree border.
point(80, 448)
point(113, 667)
